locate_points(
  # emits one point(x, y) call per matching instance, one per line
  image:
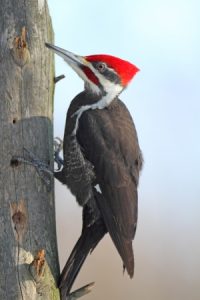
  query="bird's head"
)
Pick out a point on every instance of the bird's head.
point(102, 74)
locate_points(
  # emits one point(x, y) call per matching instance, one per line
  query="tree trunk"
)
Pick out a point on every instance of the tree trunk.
point(27, 212)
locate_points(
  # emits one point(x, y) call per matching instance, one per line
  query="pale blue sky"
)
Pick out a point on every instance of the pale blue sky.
point(163, 39)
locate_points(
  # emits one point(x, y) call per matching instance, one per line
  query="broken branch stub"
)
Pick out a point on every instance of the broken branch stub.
point(45, 284)
point(58, 78)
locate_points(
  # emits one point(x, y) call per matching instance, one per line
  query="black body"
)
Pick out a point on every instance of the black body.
point(104, 152)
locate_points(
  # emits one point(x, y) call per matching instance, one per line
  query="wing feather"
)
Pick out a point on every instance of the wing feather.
point(109, 141)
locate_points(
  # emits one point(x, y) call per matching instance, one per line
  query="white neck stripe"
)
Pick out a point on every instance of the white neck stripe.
point(101, 104)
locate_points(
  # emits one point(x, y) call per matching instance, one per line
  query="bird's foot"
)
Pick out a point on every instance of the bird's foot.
point(41, 167)
point(58, 146)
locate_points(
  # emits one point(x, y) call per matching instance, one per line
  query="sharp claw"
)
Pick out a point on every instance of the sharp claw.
point(43, 176)
point(59, 161)
point(58, 146)
point(42, 168)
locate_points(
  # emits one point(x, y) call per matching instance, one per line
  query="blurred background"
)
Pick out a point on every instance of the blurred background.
point(162, 38)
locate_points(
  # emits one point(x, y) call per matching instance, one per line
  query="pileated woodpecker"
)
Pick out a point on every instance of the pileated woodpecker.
point(102, 159)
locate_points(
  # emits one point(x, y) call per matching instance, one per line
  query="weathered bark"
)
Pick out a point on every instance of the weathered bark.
point(27, 214)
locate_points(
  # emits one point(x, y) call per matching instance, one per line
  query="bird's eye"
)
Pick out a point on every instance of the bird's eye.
point(101, 67)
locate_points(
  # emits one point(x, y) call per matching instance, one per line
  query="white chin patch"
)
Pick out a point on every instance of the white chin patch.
point(112, 91)
point(93, 88)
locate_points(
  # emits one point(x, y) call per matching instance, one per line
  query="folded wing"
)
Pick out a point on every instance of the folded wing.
point(109, 141)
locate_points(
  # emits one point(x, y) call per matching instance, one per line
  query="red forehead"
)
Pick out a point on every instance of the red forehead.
point(125, 69)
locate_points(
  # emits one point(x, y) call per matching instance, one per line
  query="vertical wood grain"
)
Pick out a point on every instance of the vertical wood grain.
point(27, 212)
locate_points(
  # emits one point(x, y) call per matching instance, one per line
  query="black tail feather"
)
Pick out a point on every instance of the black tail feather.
point(88, 240)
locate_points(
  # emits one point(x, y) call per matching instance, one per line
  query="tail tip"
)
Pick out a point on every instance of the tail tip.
point(129, 269)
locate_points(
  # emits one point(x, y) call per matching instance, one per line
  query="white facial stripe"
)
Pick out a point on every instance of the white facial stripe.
point(111, 90)
point(78, 113)
point(88, 83)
